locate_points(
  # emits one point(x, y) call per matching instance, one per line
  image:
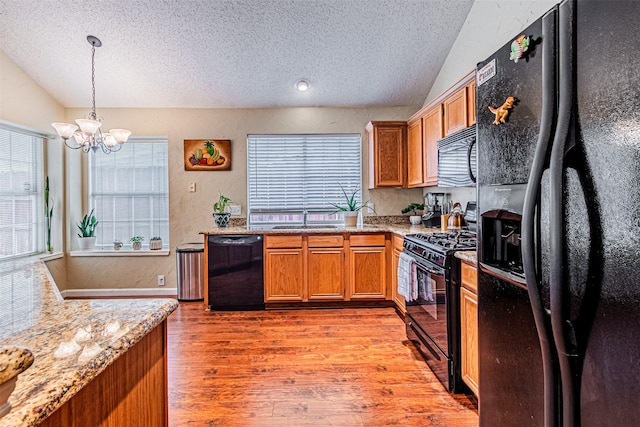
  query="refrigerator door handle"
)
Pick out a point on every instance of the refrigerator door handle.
point(558, 293)
point(530, 233)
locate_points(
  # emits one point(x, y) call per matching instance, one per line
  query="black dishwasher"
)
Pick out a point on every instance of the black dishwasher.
point(236, 272)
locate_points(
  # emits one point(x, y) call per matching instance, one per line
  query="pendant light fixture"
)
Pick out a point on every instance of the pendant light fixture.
point(87, 134)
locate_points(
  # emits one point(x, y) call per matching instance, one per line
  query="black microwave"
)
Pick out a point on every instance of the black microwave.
point(457, 162)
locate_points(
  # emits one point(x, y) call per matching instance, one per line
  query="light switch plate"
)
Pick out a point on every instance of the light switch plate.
point(235, 209)
point(192, 187)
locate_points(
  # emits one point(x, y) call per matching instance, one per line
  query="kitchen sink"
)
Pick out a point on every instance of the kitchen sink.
point(302, 227)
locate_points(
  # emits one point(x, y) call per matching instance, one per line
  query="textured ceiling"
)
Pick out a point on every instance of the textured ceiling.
point(233, 53)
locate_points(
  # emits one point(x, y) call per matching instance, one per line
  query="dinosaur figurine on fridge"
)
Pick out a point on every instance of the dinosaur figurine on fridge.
point(502, 111)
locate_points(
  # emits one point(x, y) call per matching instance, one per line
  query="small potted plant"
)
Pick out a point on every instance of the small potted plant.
point(416, 218)
point(136, 242)
point(48, 214)
point(155, 243)
point(87, 236)
point(351, 208)
point(220, 216)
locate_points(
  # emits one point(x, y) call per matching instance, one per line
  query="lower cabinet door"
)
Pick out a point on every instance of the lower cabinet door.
point(469, 330)
point(326, 273)
point(368, 273)
point(284, 275)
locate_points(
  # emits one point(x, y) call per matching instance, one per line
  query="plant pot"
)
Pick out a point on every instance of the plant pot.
point(86, 243)
point(415, 219)
point(350, 218)
point(221, 219)
point(136, 246)
point(155, 245)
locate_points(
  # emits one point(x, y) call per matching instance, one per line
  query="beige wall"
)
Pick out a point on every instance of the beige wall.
point(191, 213)
point(489, 25)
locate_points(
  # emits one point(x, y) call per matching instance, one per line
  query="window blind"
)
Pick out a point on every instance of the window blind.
point(288, 174)
point(21, 187)
point(129, 191)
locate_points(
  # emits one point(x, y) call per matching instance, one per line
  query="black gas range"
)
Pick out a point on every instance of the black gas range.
point(433, 318)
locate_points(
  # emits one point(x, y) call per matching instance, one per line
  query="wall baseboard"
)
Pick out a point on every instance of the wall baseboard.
point(120, 293)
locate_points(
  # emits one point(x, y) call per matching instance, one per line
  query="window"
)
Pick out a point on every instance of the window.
point(21, 186)
point(129, 191)
point(290, 174)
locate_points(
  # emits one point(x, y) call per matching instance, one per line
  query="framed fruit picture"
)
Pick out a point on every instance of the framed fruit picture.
point(207, 154)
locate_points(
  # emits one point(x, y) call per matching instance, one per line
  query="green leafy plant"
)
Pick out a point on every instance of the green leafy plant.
point(413, 207)
point(48, 214)
point(155, 238)
point(136, 239)
point(88, 225)
point(221, 204)
point(352, 204)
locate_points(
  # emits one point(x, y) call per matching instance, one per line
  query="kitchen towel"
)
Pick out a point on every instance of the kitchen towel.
point(407, 277)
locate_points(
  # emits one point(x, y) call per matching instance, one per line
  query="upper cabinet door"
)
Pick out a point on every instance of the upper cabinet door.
point(415, 154)
point(387, 154)
point(471, 102)
point(431, 132)
point(455, 112)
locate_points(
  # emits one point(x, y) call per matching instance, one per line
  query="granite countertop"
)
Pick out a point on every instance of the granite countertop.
point(469, 256)
point(35, 316)
point(402, 229)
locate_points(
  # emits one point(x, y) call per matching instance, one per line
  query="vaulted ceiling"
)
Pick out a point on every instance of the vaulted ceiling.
point(233, 53)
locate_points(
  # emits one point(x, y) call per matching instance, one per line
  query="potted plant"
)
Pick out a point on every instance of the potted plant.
point(416, 218)
point(351, 208)
point(220, 216)
point(87, 237)
point(155, 243)
point(136, 242)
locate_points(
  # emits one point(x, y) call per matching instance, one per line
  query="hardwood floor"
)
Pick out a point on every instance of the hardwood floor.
point(334, 367)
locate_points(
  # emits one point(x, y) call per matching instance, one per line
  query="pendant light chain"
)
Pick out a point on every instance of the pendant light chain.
point(93, 78)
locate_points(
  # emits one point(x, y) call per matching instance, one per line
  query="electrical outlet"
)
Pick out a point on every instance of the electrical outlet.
point(161, 280)
point(192, 187)
point(235, 209)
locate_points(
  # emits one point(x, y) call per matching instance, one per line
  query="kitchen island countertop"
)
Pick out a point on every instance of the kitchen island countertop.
point(35, 316)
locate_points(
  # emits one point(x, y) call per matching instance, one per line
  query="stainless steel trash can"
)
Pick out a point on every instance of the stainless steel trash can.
point(190, 266)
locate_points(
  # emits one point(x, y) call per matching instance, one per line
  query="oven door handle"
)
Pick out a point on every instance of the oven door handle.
point(429, 269)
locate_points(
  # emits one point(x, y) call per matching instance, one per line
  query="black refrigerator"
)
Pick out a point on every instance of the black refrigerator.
point(559, 229)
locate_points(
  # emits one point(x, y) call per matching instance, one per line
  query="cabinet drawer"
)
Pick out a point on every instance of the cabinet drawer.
point(367, 239)
point(469, 277)
point(283, 241)
point(326, 241)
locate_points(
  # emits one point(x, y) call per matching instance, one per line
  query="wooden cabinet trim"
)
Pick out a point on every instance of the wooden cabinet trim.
point(469, 276)
point(326, 241)
point(464, 81)
point(469, 339)
point(455, 112)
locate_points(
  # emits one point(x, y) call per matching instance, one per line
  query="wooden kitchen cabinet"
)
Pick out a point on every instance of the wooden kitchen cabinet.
point(432, 131)
point(469, 326)
point(367, 267)
point(387, 153)
point(471, 102)
point(397, 242)
point(284, 269)
point(326, 260)
point(415, 154)
point(455, 112)
point(449, 112)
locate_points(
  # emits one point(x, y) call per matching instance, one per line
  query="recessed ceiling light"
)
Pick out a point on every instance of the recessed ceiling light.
point(302, 85)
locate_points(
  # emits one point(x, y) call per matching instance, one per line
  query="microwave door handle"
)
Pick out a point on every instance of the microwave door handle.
point(531, 217)
point(471, 176)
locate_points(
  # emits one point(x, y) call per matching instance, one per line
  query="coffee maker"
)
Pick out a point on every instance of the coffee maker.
point(433, 205)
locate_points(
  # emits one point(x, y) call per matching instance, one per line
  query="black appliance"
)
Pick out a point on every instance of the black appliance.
point(457, 163)
point(433, 319)
point(470, 216)
point(235, 269)
point(558, 229)
point(434, 204)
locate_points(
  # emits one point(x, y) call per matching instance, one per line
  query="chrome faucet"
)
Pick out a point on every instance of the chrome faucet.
point(304, 217)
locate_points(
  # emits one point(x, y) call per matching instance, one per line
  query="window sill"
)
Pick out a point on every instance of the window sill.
point(120, 253)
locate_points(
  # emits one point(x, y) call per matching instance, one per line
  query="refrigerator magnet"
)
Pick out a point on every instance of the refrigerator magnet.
point(518, 47)
point(502, 111)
